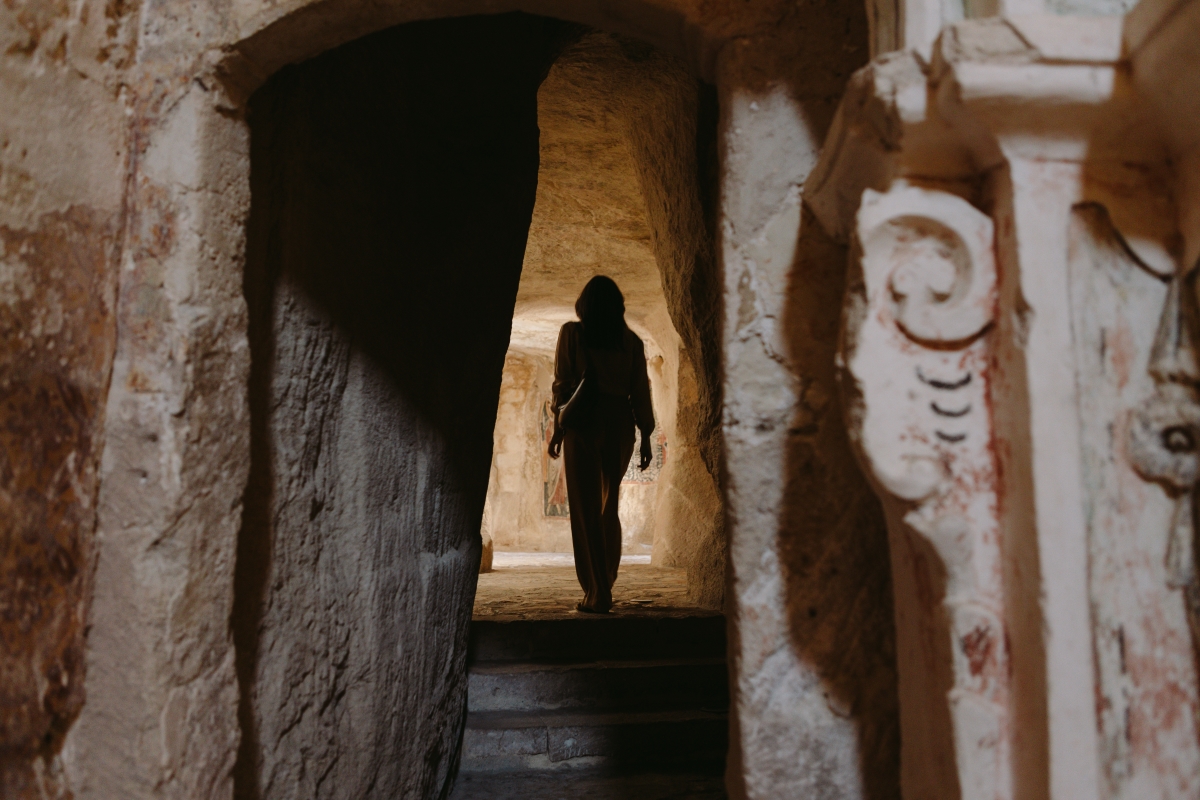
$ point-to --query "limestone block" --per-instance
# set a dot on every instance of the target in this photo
(161, 681)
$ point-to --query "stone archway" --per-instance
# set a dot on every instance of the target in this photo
(183, 678)
(175, 421)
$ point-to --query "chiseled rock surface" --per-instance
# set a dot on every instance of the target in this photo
(377, 353)
(63, 227)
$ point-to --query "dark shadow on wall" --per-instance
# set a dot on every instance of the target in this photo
(833, 540)
(393, 182)
(834, 543)
(831, 537)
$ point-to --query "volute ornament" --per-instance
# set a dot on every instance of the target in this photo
(915, 356)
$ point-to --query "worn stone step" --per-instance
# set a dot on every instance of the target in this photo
(589, 784)
(700, 683)
(599, 638)
(496, 741)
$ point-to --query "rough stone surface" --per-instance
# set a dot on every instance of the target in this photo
(393, 185)
(812, 634)
(56, 306)
(62, 169)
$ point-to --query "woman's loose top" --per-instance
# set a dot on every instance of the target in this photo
(618, 373)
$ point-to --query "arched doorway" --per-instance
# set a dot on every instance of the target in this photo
(178, 413)
(392, 185)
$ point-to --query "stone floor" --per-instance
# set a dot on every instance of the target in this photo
(506, 558)
(551, 592)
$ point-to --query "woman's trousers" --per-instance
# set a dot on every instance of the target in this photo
(596, 458)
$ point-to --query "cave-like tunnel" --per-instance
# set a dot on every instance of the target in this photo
(427, 203)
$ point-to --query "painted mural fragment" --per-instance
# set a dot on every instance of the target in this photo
(1140, 432)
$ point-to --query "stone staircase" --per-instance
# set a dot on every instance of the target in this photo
(611, 706)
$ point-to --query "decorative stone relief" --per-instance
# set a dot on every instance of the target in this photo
(1133, 321)
(915, 355)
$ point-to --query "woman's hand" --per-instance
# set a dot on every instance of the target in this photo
(647, 454)
(555, 448)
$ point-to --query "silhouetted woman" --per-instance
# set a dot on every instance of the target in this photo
(596, 439)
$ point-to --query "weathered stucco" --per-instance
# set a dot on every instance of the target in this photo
(62, 164)
(514, 516)
(56, 305)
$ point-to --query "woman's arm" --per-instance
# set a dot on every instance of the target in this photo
(643, 406)
(564, 383)
(564, 369)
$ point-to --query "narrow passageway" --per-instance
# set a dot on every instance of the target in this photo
(566, 705)
(626, 147)
(631, 704)
(417, 196)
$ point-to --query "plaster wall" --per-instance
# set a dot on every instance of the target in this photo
(62, 222)
(514, 514)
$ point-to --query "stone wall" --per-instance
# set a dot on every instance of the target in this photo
(62, 225)
(161, 673)
(628, 189)
(124, 192)
(514, 515)
(812, 628)
(393, 182)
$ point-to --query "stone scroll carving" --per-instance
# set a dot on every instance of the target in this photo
(1164, 433)
(915, 350)
(1133, 323)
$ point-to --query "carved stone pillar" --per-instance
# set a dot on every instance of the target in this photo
(917, 350)
(1053, 519)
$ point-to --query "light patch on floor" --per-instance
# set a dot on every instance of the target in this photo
(550, 591)
(502, 560)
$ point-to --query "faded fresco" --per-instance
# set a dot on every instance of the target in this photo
(554, 478)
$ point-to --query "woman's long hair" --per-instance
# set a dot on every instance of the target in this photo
(601, 309)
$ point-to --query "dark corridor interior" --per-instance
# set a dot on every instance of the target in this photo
(393, 182)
